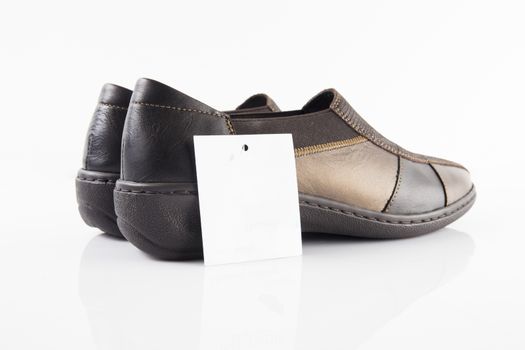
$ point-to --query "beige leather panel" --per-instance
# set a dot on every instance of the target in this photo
(456, 181)
(363, 175)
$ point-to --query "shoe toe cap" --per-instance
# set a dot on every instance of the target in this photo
(418, 190)
(456, 181)
(425, 187)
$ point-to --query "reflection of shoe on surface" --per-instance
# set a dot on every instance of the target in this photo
(369, 283)
(101, 165)
(352, 181)
(137, 303)
(338, 294)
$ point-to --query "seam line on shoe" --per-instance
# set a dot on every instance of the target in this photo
(329, 146)
(88, 152)
(182, 109)
(396, 187)
(113, 106)
(108, 181)
(443, 185)
(347, 116)
(399, 222)
(181, 192)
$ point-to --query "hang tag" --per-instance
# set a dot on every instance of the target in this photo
(248, 197)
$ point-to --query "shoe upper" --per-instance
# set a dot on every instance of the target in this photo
(339, 156)
(102, 151)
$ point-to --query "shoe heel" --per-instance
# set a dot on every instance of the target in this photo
(95, 201)
(163, 223)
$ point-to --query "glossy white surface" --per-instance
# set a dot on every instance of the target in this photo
(66, 286)
(337, 296)
(442, 78)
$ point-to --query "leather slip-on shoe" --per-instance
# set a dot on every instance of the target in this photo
(352, 180)
(96, 179)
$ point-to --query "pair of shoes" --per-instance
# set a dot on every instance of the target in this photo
(352, 180)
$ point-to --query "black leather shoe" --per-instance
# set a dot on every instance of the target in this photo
(352, 180)
(101, 164)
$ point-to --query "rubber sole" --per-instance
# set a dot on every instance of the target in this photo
(323, 215)
(163, 219)
(95, 200)
(164, 222)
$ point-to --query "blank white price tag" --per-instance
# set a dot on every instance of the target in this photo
(248, 197)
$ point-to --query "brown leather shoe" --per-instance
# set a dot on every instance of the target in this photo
(96, 179)
(352, 180)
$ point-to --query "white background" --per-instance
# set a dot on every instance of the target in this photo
(445, 78)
